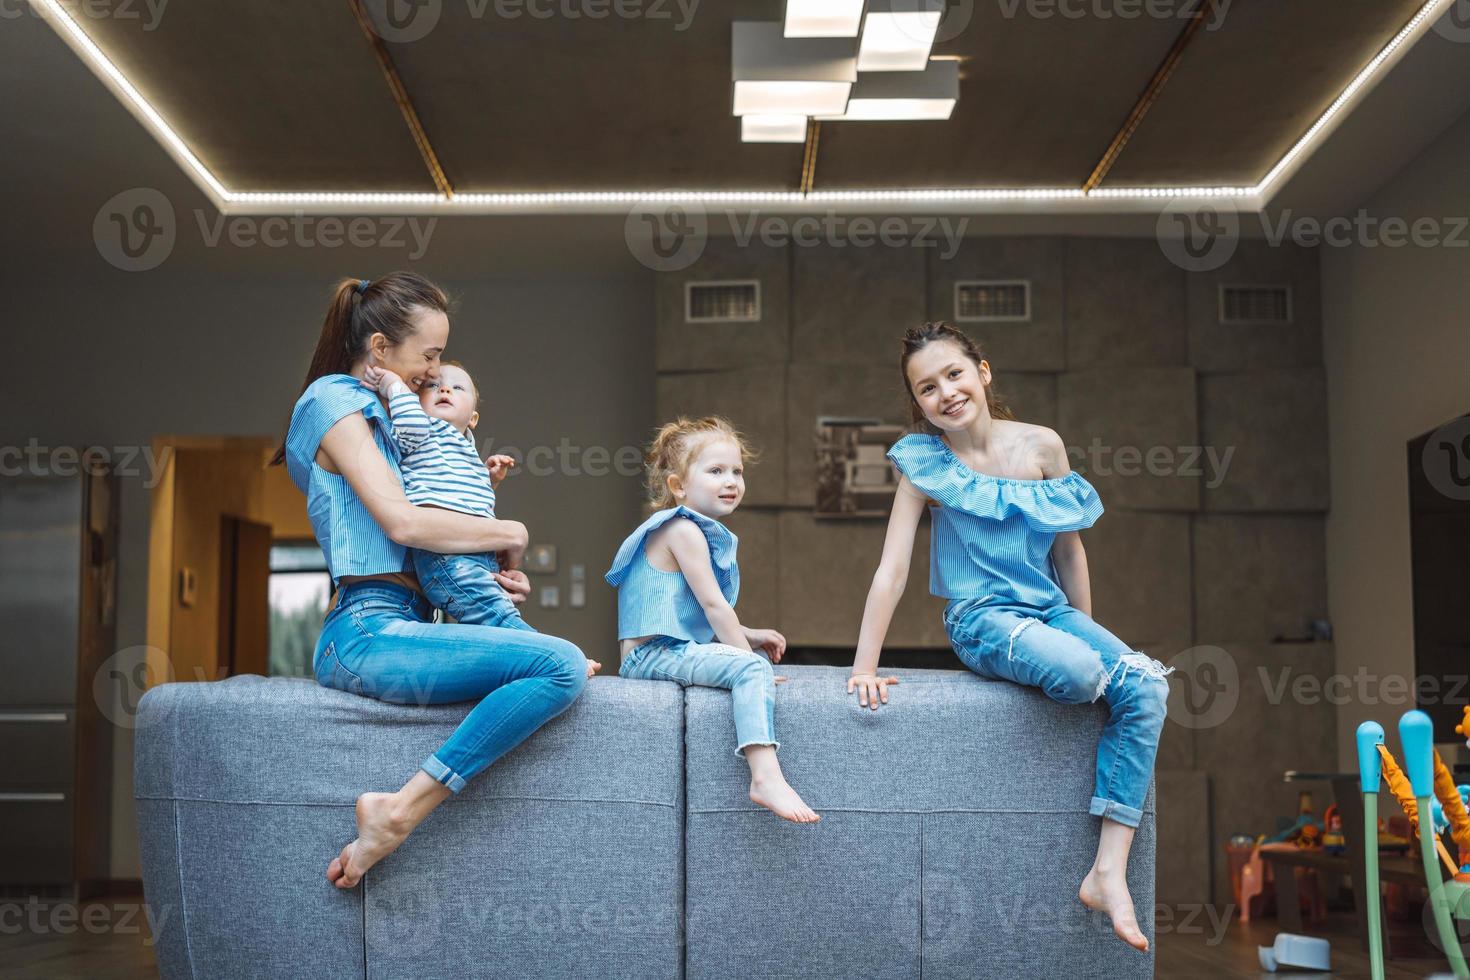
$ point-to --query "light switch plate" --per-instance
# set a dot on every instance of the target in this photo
(540, 559)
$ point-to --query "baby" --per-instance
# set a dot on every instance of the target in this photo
(441, 468)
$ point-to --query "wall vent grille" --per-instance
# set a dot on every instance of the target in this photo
(1269, 304)
(992, 300)
(722, 301)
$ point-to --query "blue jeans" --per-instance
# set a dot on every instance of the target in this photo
(464, 586)
(747, 676)
(1072, 659)
(378, 642)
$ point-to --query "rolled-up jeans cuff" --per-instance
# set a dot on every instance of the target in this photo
(443, 774)
(740, 749)
(1113, 810)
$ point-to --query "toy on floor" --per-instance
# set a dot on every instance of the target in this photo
(1427, 777)
(1299, 952)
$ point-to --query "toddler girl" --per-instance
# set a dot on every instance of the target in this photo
(677, 582)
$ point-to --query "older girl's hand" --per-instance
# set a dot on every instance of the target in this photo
(871, 689)
(515, 583)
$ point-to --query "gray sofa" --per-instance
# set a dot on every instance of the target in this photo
(618, 841)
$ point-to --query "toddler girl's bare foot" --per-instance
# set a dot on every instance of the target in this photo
(378, 835)
(776, 795)
(1109, 893)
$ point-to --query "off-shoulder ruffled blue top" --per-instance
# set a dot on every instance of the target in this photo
(991, 537)
(653, 602)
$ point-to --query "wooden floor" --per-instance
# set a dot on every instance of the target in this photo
(108, 939)
(1190, 954)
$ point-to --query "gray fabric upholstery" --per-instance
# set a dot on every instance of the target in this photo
(954, 834)
(954, 830)
(563, 860)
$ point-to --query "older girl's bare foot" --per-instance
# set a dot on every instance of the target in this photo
(776, 795)
(378, 834)
(1109, 893)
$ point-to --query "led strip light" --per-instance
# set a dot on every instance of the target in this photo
(1101, 198)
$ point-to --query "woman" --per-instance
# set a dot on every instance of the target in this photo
(378, 639)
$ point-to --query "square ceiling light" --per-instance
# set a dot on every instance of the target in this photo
(823, 18)
(777, 75)
(772, 129)
(899, 34)
(928, 94)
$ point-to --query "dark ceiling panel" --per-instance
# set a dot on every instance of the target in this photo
(1040, 99)
(1246, 92)
(269, 94)
(529, 104)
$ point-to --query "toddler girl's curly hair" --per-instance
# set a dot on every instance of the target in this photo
(675, 446)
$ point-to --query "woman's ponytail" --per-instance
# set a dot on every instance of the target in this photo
(361, 308)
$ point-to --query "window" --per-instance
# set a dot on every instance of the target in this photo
(300, 588)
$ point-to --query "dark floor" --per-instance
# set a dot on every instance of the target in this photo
(1190, 953)
(108, 939)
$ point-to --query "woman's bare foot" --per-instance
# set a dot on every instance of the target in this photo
(1109, 893)
(776, 795)
(378, 834)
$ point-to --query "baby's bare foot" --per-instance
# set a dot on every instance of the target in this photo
(378, 835)
(776, 795)
(1109, 893)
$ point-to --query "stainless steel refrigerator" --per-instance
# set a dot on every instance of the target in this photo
(58, 570)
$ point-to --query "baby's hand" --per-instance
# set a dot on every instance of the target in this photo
(382, 379)
(499, 465)
(768, 640)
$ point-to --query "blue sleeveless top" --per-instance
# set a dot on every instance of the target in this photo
(992, 536)
(653, 602)
(351, 539)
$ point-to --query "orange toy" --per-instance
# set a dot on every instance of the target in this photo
(1404, 793)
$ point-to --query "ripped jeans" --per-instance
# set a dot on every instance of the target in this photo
(1063, 651)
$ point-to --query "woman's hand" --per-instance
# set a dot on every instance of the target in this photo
(499, 466)
(515, 583)
(768, 640)
(511, 558)
(871, 689)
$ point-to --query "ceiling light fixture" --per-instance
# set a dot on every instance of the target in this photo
(907, 95)
(776, 75)
(823, 18)
(1072, 199)
(772, 129)
(899, 34)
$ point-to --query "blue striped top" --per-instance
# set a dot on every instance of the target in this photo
(441, 466)
(351, 540)
(991, 536)
(653, 602)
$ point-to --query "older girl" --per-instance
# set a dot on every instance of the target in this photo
(379, 640)
(1005, 552)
